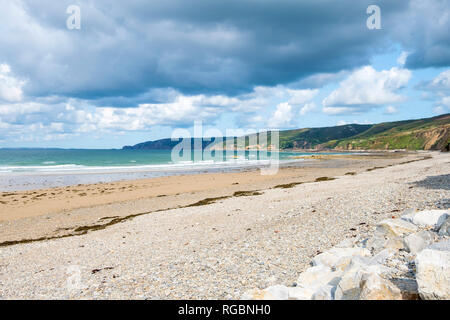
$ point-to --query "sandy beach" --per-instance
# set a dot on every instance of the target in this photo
(203, 236)
(58, 211)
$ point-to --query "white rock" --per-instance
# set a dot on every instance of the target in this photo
(324, 293)
(351, 283)
(300, 293)
(441, 245)
(317, 276)
(358, 262)
(395, 228)
(429, 218)
(332, 256)
(382, 256)
(381, 241)
(342, 263)
(433, 272)
(394, 243)
(444, 230)
(349, 286)
(376, 242)
(375, 287)
(408, 288)
(416, 242)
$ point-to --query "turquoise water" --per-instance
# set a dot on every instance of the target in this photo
(26, 160)
(28, 169)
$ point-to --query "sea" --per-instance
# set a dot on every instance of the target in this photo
(25, 169)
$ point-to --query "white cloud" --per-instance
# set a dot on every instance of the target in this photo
(440, 110)
(446, 101)
(390, 110)
(299, 97)
(442, 106)
(402, 58)
(339, 110)
(256, 119)
(282, 116)
(10, 87)
(308, 107)
(53, 116)
(367, 88)
(441, 82)
(184, 110)
(438, 90)
(263, 97)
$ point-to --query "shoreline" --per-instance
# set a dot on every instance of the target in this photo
(45, 180)
(22, 178)
(37, 180)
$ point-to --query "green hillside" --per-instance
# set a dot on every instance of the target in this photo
(311, 138)
(422, 134)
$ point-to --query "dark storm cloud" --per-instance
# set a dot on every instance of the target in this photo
(423, 29)
(128, 48)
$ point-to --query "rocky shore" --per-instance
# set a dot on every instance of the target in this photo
(407, 258)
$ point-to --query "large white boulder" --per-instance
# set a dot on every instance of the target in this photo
(381, 241)
(429, 218)
(349, 287)
(344, 262)
(333, 257)
(317, 276)
(392, 228)
(300, 293)
(312, 281)
(378, 259)
(374, 287)
(416, 242)
(351, 283)
(444, 230)
(408, 288)
(382, 256)
(324, 293)
(433, 271)
(389, 234)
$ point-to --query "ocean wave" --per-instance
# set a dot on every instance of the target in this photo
(48, 167)
(183, 165)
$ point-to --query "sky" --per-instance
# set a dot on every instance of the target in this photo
(124, 72)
